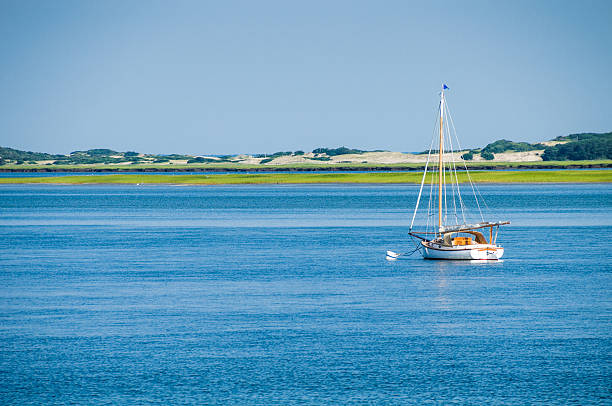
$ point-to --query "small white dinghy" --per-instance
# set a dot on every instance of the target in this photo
(392, 255)
(452, 237)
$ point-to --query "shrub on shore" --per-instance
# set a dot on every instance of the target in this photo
(487, 155)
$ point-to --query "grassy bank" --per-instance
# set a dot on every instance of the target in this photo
(225, 166)
(577, 176)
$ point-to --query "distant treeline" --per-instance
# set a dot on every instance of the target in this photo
(317, 151)
(320, 154)
(338, 151)
(90, 156)
(574, 147)
(500, 146)
(580, 147)
(109, 156)
(10, 154)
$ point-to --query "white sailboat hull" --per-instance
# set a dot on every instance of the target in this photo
(464, 252)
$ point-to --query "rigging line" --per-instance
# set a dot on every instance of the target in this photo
(484, 201)
(461, 204)
(444, 192)
(468, 172)
(475, 192)
(474, 186)
(450, 170)
(422, 182)
(488, 210)
(417, 243)
(451, 165)
(417, 248)
(430, 209)
(448, 167)
(433, 137)
(443, 169)
(456, 182)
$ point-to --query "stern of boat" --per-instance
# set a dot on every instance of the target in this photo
(491, 253)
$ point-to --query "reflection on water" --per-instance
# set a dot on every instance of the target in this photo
(442, 300)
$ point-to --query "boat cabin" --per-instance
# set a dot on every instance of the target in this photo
(464, 238)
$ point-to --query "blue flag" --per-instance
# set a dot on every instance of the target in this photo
(444, 87)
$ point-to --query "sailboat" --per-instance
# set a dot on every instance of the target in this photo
(450, 230)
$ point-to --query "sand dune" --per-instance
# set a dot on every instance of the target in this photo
(394, 158)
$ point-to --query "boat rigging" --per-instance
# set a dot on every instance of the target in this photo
(453, 236)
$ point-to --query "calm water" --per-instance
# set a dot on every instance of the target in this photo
(282, 295)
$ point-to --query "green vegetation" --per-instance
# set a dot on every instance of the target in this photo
(89, 157)
(574, 147)
(85, 159)
(275, 155)
(487, 155)
(580, 147)
(299, 167)
(468, 156)
(500, 146)
(172, 157)
(200, 159)
(10, 154)
(582, 136)
(282, 178)
(337, 151)
(96, 152)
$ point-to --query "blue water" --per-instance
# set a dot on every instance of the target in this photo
(281, 295)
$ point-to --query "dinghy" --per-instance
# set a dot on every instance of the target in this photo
(392, 255)
(455, 235)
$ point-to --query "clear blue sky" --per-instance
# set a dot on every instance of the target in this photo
(263, 76)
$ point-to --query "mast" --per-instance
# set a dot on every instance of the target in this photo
(441, 163)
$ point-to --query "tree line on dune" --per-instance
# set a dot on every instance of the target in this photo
(573, 147)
